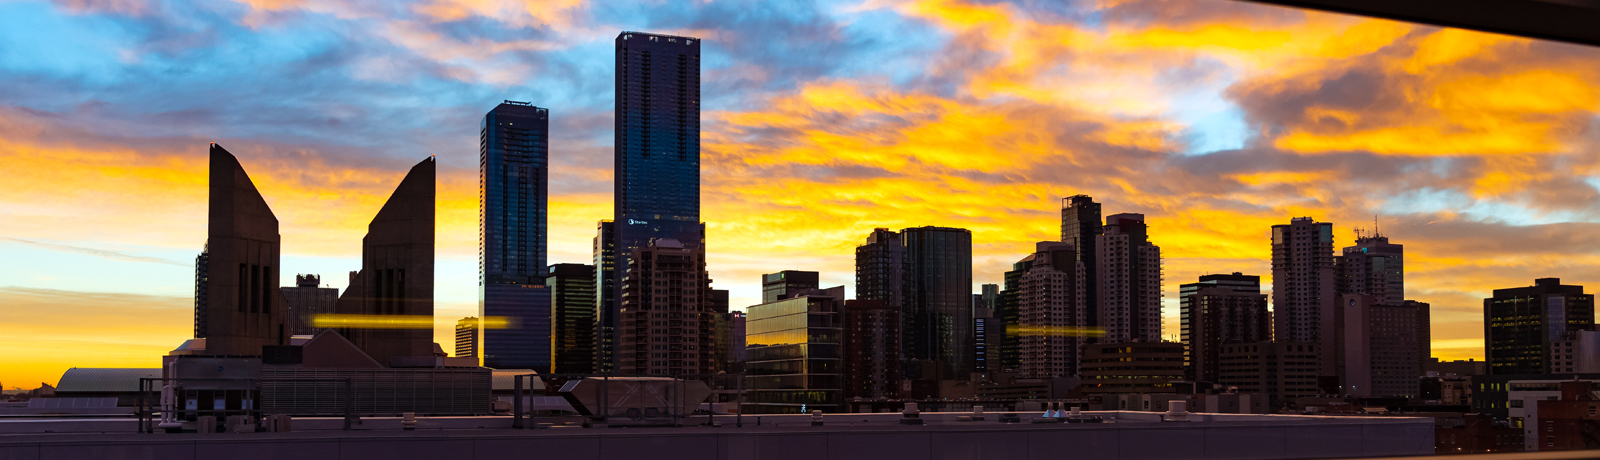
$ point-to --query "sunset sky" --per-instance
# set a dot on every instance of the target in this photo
(822, 120)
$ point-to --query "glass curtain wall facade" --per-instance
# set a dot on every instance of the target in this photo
(1520, 324)
(571, 318)
(657, 147)
(937, 315)
(513, 177)
(793, 360)
(1080, 226)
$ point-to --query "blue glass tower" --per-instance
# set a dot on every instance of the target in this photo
(657, 152)
(513, 173)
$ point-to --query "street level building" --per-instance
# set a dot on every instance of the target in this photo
(1522, 324)
(1131, 367)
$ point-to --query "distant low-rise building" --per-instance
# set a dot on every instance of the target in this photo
(1281, 370)
(1131, 367)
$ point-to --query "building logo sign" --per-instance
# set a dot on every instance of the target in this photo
(638, 222)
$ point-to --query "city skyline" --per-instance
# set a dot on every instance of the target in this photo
(786, 183)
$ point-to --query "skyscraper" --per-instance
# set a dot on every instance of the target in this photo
(1217, 310)
(396, 276)
(243, 309)
(657, 147)
(1051, 312)
(305, 300)
(666, 327)
(467, 337)
(937, 314)
(1304, 291)
(571, 318)
(1373, 267)
(1080, 227)
(786, 284)
(605, 296)
(513, 171)
(200, 293)
(988, 331)
(1130, 280)
(1520, 324)
(881, 269)
(1007, 309)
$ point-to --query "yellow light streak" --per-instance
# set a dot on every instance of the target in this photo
(396, 321)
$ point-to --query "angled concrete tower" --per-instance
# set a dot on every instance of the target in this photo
(244, 309)
(396, 276)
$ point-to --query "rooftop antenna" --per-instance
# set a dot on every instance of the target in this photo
(1375, 232)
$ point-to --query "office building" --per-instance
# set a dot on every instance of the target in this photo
(937, 315)
(1131, 367)
(881, 269)
(306, 300)
(1381, 349)
(731, 341)
(1576, 352)
(605, 298)
(786, 284)
(243, 309)
(657, 149)
(1051, 310)
(1007, 309)
(467, 337)
(793, 362)
(667, 327)
(1281, 370)
(988, 331)
(1216, 310)
(1373, 267)
(513, 172)
(1522, 324)
(1081, 227)
(396, 276)
(1304, 292)
(572, 299)
(1129, 280)
(200, 294)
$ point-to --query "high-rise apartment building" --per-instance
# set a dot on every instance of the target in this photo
(881, 269)
(1216, 310)
(793, 360)
(243, 310)
(1051, 312)
(513, 173)
(1304, 291)
(1520, 324)
(396, 276)
(467, 337)
(666, 327)
(1007, 309)
(1081, 227)
(937, 315)
(305, 300)
(1373, 267)
(871, 350)
(571, 318)
(786, 284)
(1130, 280)
(607, 283)
(1381, 349)
(657, 150)
(200, 294)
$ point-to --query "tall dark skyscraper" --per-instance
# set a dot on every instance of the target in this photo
(605, 295)
(513, 171)
(938, 310)
(657, 148)
(572, 318)
(243, 309)
(881, 269)
(1080, 226)
(1217, 310)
